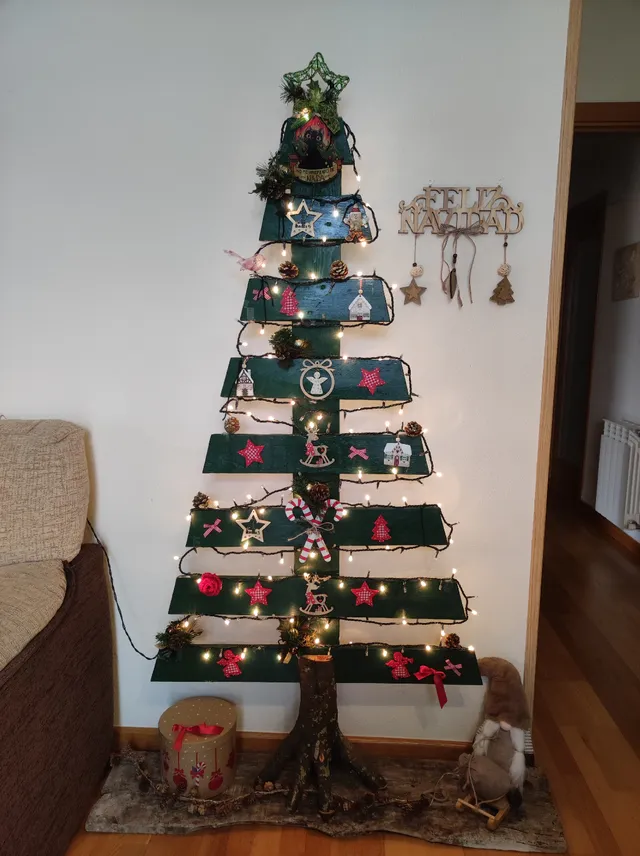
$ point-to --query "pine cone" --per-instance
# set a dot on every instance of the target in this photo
(452, 641)
(319, 492)
(413, 429)
(338, 270)
(288, 270)
(232, 424)
(200, 500)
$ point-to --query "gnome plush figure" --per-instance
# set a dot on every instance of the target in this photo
(496, 768)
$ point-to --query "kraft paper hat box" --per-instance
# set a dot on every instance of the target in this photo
(199, 746)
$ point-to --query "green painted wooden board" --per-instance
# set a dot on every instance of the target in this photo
(276, 226)
(352, 665)
(420, 525)
(339, 141)
(438, 600)
(285, 453)
(272, 380)
(324, 301)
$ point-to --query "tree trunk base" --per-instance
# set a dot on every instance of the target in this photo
(316, 742)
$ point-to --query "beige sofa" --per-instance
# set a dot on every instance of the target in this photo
(56, 684)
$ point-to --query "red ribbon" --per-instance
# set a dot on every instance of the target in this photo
(202, 729)
(358, 453)
(427, 672)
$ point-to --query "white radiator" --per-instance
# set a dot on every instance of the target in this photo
(618, 493)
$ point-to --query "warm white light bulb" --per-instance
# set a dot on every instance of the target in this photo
(387, 424)
(454, 570)
(394, 470)
(471, 648)
(363, 243)
(340, 334)
(345, 357)
(385, 653)
(185, 623)
(198, 581)
(324, 239)
(281, 562)
(292, 621)
(176, 558)
(394, 285)
(439, 475)
(317, 640)
(382, 588)
(360, 474)
(474, 612)
(284, 252)
(312, 554)
(442, 633)
(244, 344)
(245, 546)
(336, 213)
(359, 273)
(271, 418)
(351, 557)
(262, 331)
(423, 583)
(300, 314)
(313, 276)
(261, 510)
(358, 177)
(188, 517)
(404, 620)
(290, 206)
(206, 655)
(256, 611)
(401, 411)
(275, 289)
(341, 584)
(326, 625)
(404, 499)
(236, 590)
(243, 655)
(350, 430)
(279, 657)
(427, 647)
(227, 621)
(269, 577)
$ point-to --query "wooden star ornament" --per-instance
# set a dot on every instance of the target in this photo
(306, 225)
(413, 292)
(252, 527)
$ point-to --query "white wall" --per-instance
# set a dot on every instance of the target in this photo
(132, 129)
(609, 69)
(611, 164)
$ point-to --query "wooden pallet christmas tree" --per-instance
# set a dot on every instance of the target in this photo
(312, 530)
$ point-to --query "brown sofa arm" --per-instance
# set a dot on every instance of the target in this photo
(56, 703)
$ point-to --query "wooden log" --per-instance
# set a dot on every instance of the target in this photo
(316, 742)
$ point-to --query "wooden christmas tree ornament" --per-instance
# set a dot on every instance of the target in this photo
(503, 292)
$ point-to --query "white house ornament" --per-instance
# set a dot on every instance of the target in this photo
(306, 224)
(359, 308)
(244, 383)
(252, 527)
(397, 454)
(317, 379)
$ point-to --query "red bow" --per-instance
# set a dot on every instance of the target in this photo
(427, 672)
(193, 729)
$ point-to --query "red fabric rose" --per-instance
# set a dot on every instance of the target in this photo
(210, 584)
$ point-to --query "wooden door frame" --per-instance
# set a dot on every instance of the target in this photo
(551, 343)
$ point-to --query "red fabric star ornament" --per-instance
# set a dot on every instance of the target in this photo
(258, 593)
(371, 380)
(364, 594)
(252, 454)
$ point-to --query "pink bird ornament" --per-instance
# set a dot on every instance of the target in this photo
(254, 263)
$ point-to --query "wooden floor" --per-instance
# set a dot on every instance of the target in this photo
(586, 730)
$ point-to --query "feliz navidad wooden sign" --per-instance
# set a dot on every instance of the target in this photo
(458, 208)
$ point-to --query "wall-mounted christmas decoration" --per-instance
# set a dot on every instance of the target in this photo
(303, 220)
(490, 208)
(452, 213)
(338, 270)
(244, 383)
(200, 500)
(230, 664)
(364, 594)
(258, 593)
(210, 585)
(307, 534)
(288, 270)
(252, 526)
(317, 379)
(398, 665)
(413, 292)
(315, 604)
(397, 454)
(289, 303)
(371, 380)
(231, 426)
(252, 453)
(503, 292)
(381, 530)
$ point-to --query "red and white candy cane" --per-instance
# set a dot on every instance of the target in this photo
(316, 525)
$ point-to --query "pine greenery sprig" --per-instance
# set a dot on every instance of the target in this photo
(274, 179)
(287, 346)
(176, 636)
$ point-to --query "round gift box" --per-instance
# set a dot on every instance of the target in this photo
(205, 764)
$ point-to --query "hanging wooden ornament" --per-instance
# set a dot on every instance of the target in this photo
(413, 293)
(503, 292)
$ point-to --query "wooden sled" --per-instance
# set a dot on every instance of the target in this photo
(495, 810)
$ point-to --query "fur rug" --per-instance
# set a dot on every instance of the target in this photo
(123, 808)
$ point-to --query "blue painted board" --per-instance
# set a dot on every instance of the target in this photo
(326, 300)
